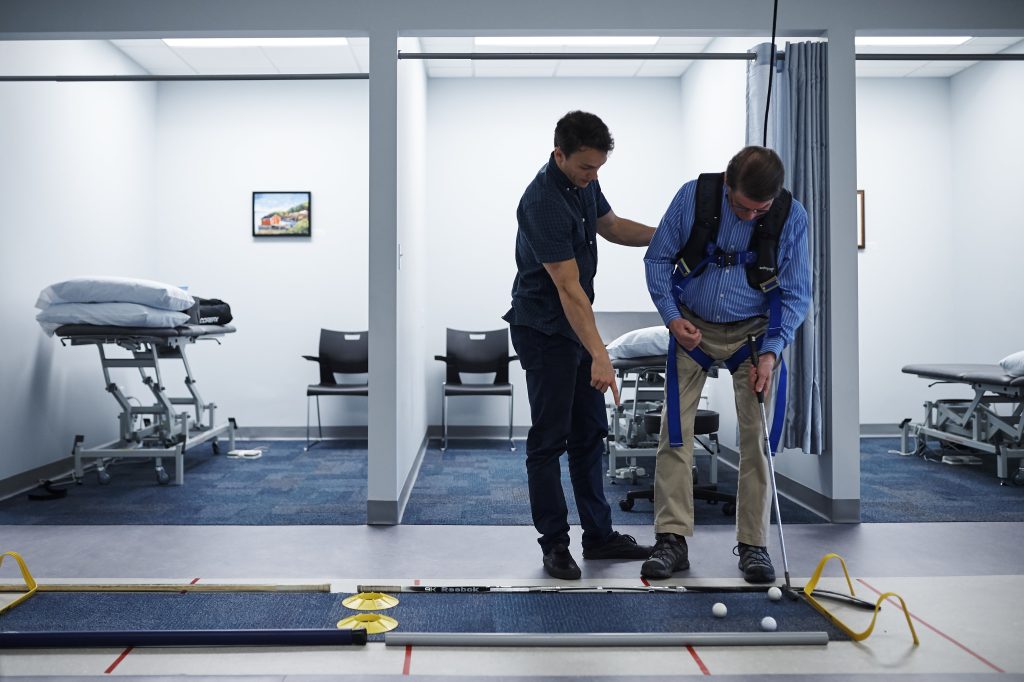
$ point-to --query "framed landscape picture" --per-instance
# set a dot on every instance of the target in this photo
(281, 214)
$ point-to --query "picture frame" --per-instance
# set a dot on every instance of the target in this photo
(861, 241)
(282, 214)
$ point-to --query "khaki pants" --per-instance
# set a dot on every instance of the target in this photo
(673, 477)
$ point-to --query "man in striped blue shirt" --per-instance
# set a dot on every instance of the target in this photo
(714, 312)
(552, 327)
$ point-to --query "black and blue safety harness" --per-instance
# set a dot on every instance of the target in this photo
(761, 263)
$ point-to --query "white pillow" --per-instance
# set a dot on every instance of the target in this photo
(112, 314)
(1013, 364)
(116, 289)
(640, 343)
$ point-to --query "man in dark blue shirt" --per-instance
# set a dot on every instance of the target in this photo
(553, 331)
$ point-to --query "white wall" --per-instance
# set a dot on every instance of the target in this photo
(988, 146)
(217, 143)
(77, 190)
(905, 141)
(415, 268)
(487, 140)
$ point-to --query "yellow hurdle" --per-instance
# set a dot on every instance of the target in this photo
(30, 582)
(855, 636)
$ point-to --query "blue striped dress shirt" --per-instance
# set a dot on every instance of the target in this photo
(722, 295)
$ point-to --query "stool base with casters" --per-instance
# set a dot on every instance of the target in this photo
(705, 424)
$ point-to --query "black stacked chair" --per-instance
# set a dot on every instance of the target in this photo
(705, 423)
(469, 352)
(340, 353)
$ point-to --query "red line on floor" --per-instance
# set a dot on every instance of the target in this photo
(644, 581)
(696, 658)
(416, 582)
(408, 659)
(118, 661)
(935, 629)
(194, 581)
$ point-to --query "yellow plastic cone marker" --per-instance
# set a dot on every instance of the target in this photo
(855, 636)
(373, 623)
(369, 601)
(30, 582)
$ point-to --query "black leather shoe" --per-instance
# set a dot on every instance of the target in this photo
(670, 555)
(558, 562)
(618, 546)
(755, 563)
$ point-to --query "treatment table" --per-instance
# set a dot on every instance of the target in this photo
(975, 422)
(158, 430)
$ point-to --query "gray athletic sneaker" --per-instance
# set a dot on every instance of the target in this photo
(755, 563)
(670, 555)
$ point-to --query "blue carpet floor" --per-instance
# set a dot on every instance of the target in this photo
(415, 612)
(897, 488)
(473, 483)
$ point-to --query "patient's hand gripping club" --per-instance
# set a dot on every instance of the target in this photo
(752, 344)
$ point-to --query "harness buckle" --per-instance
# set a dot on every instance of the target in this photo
(724, 260)
(770, 284)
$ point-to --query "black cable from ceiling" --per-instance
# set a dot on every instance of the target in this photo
(771, 72)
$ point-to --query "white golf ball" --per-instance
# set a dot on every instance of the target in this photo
(719, 610)
(768, 623)
(774, 593)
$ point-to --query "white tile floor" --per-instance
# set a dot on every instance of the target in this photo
(962, 582)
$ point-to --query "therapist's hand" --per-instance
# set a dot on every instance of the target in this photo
(686, 334)
(602, 376)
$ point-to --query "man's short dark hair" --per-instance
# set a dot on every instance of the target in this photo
(757, 172)
(579, 129)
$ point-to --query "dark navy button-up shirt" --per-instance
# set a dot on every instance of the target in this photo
(557, 221)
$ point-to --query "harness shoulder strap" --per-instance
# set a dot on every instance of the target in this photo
(763, 273)
(706, 219)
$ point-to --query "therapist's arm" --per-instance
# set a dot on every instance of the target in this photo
(566, 276)
(623, 231)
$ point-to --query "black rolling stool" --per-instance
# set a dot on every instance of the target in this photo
(705, 423)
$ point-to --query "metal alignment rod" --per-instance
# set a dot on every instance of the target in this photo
(167, 587)
(604, 639)
(119, 638)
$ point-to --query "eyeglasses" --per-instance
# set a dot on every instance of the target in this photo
(755, 212)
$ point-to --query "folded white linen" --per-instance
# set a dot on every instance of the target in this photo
(115, 289)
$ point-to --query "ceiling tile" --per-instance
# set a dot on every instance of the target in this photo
(941, 69)
(335, 59)
(156, 58)
(218, 60)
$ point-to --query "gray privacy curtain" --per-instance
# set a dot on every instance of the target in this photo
(797, 130)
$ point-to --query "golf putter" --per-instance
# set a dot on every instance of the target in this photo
(752, 344)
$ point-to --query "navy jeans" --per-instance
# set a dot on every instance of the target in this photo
(568, 415)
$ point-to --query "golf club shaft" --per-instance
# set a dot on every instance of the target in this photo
(752, 343)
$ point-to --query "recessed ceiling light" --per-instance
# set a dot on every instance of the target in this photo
(564, 41)
(254, 42)
(898, 41)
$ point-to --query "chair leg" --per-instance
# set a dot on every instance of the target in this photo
(511, 405)
(307, 425)
(444, 419)
(319, 424)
